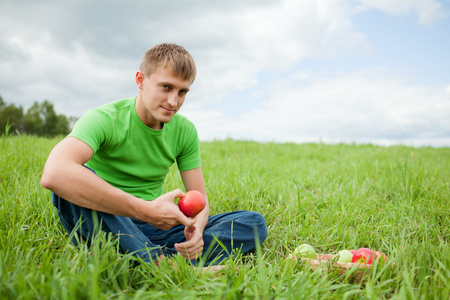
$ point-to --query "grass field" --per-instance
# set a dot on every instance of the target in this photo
(394, 199)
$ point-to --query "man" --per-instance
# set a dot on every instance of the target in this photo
(111, 168)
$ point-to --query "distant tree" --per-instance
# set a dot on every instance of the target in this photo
(49, 119)
(40, 119)
(12, 117)
(33, 121)
(62, 125)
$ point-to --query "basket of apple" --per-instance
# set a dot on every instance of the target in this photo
(362, 258)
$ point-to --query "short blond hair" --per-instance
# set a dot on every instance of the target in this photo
(174, 57)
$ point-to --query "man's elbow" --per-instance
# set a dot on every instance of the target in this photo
(48, 179)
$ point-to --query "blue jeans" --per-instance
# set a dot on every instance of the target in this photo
(235, 230)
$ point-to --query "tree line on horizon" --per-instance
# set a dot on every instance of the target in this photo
(40, 119)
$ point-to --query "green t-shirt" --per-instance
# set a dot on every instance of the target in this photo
(131, 156)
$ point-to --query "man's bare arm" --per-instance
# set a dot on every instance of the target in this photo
(193, 247)
(66, 176)
(193, 180)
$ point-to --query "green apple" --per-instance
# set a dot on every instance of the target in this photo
(345, 256)
(305, 251)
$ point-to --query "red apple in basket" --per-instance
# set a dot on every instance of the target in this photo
(327, 256)
(364, 256)
(192, 203)
(381, 255)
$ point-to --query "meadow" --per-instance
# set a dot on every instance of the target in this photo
(393, 199)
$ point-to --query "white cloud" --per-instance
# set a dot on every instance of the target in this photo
(95, 49)
(267, 38)
(84, 52)
(369, 106)
(72, 79)
(428, 11)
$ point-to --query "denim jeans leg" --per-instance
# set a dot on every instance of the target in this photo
(235, 230)
(87, 222)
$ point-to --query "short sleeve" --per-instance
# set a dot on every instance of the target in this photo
(93, 128)
(189, 157)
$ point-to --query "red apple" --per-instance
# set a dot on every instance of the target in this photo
(327, 256)
(381, 255)
(192, 203)
(364, 256)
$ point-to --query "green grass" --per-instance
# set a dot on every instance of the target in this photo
(394, 199)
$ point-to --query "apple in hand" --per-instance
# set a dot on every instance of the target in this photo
(192, 203)
(345, 256)
(364, 256)
(305, 251)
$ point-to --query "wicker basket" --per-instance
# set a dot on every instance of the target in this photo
(363, 270)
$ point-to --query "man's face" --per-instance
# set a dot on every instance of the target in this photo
(161, 95)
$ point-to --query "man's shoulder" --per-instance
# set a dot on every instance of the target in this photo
(178, 118)
(102, 122)
(180, 123)
(118, 106)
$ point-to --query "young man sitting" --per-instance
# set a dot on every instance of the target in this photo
(112, 167)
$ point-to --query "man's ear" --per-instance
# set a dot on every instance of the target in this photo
(140, 79)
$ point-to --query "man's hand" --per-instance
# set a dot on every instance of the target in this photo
(163, 213)
(193, 247)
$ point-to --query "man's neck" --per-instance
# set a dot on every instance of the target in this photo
(145, 116)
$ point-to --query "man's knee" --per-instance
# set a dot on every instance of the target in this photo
(255, 224)
(259, 222)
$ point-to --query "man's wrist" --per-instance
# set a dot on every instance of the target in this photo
(202, 219)
(136, 208)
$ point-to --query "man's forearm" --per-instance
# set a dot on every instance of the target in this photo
(202, 218)
(65, 175)
(93, 192)
(80, 186)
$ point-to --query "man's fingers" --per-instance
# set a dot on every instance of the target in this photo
(193, 247)
(189, 251)
(177, 194)
(188, 222)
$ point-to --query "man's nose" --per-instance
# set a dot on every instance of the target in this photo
(173, 99)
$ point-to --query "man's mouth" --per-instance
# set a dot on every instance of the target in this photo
(168, 110)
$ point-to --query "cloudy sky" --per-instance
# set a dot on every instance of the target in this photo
(362, 71)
